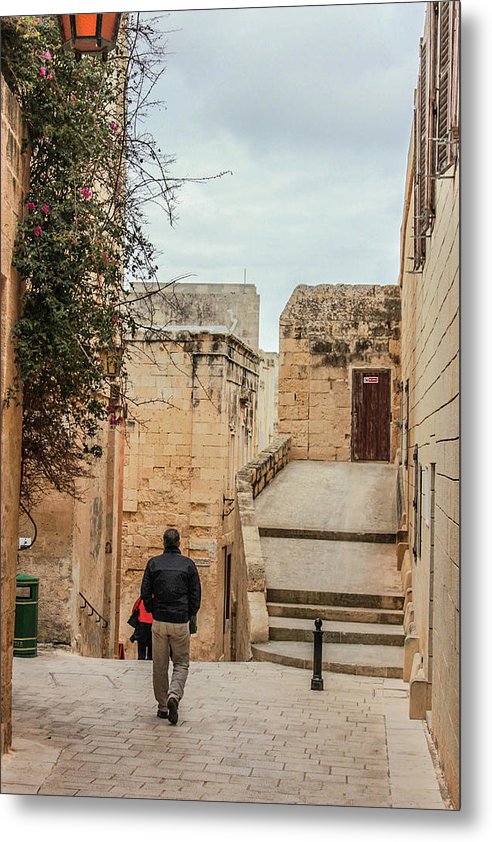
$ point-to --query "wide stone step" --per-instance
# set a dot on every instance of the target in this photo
(353, 659)
(327, 535)
(363, 600)
(350, 614)
(368, 634)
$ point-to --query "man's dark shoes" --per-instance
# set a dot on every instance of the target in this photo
(172, 710)
(162, 714)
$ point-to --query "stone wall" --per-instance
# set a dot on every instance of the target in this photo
(248, 580)
(183, 451)
(77, 550)
(325, 332)
(235, 307)
(14, 186)
(430, 366)
(50, 559)
(97, 552)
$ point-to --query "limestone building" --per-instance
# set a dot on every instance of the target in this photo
(77, 544)
(429, 461)
(196, 397)
(339, 372)
(14, 186)
(76, 556)
(236, 306)
(76, 550)
(192, 427)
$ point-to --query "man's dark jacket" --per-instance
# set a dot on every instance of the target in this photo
(171, 587)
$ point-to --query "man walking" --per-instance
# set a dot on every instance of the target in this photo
(171, 592)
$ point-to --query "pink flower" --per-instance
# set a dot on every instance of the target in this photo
(73, 99)
(47, 55)
(38, 231)
(50, 76)
(31, 206)
(42, 71)
(45, 209)
(86, 192)
(114, 126)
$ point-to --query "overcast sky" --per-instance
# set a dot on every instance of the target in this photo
(311, 109)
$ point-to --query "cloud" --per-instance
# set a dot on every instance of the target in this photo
(311, 108)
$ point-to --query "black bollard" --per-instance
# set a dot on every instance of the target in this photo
(317, 679)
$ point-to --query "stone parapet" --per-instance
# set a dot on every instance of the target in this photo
(260, 471)
(249, 584)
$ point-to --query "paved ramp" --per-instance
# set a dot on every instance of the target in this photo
(337, 496)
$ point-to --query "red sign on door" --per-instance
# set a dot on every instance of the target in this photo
(371, 379)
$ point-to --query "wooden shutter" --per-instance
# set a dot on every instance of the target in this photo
(444, 99)
(424, 128)
(418, 240)
(423, 136)
(431, 111)
(427, 95)
(455, 80)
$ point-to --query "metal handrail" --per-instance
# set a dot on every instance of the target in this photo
(87, 604)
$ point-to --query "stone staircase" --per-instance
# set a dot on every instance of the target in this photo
(328, 540)
(363, 633)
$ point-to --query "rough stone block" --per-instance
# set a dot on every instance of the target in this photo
(418, 695)
(411, 647)
(406, 563)
(258, 615)
(408, 598)
(408, 617)
(401, 549)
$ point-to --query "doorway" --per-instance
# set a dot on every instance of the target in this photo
(371, 415)
(227, 604)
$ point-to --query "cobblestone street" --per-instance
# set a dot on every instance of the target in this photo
(247, 732)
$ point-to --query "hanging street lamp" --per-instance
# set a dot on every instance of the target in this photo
(94, 34)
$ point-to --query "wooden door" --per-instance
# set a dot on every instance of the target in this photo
(371, 415)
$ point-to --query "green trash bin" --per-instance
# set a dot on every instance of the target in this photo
(26, 616)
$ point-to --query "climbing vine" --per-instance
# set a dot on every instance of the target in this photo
(93, 168)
